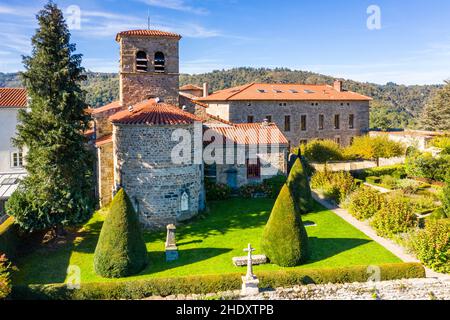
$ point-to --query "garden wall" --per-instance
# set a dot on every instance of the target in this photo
(357, 165)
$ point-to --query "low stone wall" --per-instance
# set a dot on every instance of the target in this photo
(411, 289)
(357, 165)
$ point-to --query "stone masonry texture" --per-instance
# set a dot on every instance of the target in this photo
(238, 112)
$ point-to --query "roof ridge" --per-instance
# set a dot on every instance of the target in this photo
(244, 87)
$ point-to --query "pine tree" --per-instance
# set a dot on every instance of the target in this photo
(121, 249)
(58, 189)
(436, 114)
(285, 241)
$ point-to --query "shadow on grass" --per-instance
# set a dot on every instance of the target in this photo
(324, 248)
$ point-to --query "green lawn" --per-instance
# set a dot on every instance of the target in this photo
(207, 245)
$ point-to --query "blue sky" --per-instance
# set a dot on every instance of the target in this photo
(325, 36)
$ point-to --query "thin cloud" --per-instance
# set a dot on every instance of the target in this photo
(179, 5)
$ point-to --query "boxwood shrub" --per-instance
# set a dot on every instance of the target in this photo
(9, 238)
(213, 283)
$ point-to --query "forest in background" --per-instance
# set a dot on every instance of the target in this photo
(394, 106)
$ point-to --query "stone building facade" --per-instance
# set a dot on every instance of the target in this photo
(302, 112)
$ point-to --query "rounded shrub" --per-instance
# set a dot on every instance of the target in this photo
(432, 245)
(298, 184)
(121, 249)
(285, 241)
(364, 203)
(321, 151)
(395, 216)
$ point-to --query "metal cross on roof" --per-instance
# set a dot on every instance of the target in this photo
(250, 275)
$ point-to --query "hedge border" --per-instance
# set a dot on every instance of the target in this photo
(9, 239)
(211, 284)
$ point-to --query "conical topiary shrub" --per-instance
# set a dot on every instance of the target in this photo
(121, 249)
(299, 185)
(285, 241)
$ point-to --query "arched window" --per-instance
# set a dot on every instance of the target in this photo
(184, 202)
(160, 62)
(141, 61)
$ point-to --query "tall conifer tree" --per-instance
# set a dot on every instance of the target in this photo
(57, 191)
(436, 114)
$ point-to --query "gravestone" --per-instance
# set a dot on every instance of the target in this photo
(171, 246)
(249, 282)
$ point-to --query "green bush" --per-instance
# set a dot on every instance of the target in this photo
(273, 186)
(373, 180)
(378, 171)
(121, 250)
(285, 241)
(446, 197)
(426, 166)
(432, 245)
(395, 216)
(9, 238)
(5, 277)
(389, 182)
(364, 203)
(322, 151)
(212, 283)
(216, 191)
(298, 184)
(334, 185)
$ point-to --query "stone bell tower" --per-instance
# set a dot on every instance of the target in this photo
(149, 66)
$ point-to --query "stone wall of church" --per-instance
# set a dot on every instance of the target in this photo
(239, 111)
(105, 173)
(144, 168)
(138, 86)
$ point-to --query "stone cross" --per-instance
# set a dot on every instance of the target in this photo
(250, 275)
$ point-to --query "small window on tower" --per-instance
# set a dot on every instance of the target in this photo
(141, 61)
(160, 62)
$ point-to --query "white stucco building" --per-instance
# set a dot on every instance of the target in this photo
(11, 158)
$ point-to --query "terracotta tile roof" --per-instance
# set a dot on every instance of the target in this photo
(250, 133)
(188, 87)
(13, 98)
(147, 33)
(103, 140)
(284, 92)
(149, 112)
(111, 106)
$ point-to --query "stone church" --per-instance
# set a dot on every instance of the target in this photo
(133, 136)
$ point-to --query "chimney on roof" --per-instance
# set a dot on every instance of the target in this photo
(205, 89)
(338, 85)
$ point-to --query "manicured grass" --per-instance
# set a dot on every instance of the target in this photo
(208, 244)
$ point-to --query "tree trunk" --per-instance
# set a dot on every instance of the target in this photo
(59, 231)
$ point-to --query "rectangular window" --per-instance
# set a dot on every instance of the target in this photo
(351, 140)
(250, 119)
(337, 122)
(253, 168)
(269, 119)
(303, 123)
(303, 142)
(351, 121)
(17, 160)
(337, 140)
(287, 123)
(321, 121)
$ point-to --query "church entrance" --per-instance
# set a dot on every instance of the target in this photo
(232, 178)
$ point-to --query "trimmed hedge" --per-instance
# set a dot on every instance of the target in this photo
(9, 238)
(298, 184)
(212, 283)
(379, 171)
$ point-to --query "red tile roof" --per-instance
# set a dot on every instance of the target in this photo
(13, 98)
(147, 33)
(284, 92)
(149, 112)
(111, 106)
(189, 87)
(250, 133)
(103, 140)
